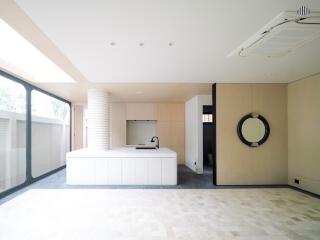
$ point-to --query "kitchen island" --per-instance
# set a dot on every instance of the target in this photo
(122, 166)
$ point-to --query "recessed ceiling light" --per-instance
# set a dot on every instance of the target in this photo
(21, 55)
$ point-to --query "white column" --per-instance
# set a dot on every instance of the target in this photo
(98, 119)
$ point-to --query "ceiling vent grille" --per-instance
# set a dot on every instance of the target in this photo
(303, 11)
(285, 33)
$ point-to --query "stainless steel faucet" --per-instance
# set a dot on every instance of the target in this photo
(153, 140)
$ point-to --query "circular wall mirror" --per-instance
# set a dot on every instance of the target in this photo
(253, 129)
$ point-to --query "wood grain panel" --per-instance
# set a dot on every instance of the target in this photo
(238, 163)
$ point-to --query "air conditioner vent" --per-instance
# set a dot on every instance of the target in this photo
(281, 36)
(303, 11)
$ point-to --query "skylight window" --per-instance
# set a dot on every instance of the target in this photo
(19, 54)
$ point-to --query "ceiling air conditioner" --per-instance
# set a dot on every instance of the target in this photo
(285, 33)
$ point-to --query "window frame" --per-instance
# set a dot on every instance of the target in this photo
(29, 87)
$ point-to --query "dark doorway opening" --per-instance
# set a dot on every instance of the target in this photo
(207, 136)
(208, 140)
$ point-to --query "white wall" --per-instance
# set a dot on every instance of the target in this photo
(194, 131)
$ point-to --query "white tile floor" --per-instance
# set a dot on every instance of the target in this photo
(76, 214)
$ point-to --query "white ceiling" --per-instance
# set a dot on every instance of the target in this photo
(203, 33)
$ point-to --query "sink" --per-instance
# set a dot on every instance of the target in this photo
(146, 147)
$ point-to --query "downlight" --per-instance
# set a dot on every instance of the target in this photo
(282, 35)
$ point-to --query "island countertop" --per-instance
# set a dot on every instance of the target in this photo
(128, 152)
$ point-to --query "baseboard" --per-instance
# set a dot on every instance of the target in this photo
(253, 186)
(304, 191)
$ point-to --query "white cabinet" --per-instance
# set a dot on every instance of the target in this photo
(81, 172)
(114, 171)
(141, 174)
(122, 167)
(169, 171)
(101, 171)
(154, 170)
(128, 171)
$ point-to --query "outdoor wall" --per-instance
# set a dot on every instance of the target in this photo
(46, 155)
(238, 164)
(304, 133)
(50, 143)
(194, 131)
(12, 149)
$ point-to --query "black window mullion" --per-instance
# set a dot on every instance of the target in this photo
(29, 178)
(28, 136)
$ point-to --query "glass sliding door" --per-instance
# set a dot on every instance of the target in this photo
(50, 133)
(34, 133)
(13, 109)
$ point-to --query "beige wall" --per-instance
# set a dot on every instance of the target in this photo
(77, 133)
(237, 163)
(304, 133)
(118, 125)
(170, 128)
(170, 123)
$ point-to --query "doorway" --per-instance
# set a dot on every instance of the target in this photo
(208, 140)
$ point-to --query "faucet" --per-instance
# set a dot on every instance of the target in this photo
(153, 140)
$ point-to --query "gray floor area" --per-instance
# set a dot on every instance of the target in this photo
(187, 179)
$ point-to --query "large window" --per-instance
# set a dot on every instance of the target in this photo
(34, 133)
(50, 132)
(12, 134)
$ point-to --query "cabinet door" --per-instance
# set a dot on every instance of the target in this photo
(141, 171)
(101, 171)
(154, 171)
(141, 111)
(128, 171)
(114, 171)
(80, 171)
(169, 171)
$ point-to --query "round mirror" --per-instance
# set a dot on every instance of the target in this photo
(253, 129)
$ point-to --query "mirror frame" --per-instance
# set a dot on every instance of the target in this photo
(265, 123)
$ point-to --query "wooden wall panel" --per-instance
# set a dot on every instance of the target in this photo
(238, 164)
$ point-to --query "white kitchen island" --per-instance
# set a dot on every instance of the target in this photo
(122, 166)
